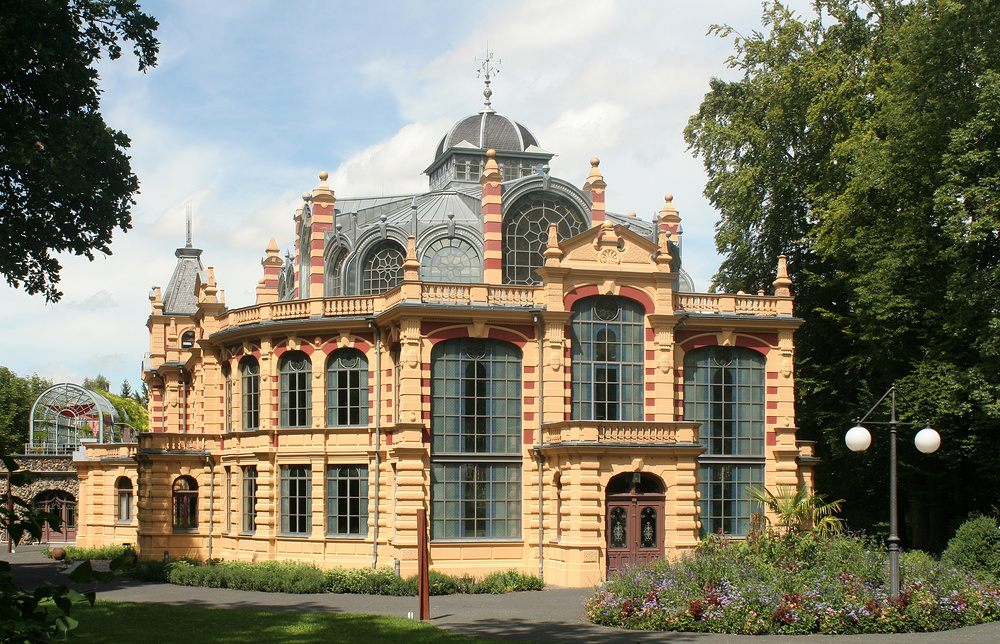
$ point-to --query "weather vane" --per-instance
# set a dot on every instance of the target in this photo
(486, 71)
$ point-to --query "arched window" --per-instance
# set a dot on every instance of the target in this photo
(185, 491)
(526, 233)
(347, 388)
(250, 376)
(724, 391)
(227, 396)
(383, 268)
(305, 271)
(296, 392)
(332, 286)
(123, 486)
(187, 340)
(451, 260)
(608, 359)
(475, 439)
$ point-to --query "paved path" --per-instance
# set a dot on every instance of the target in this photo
(551, 615)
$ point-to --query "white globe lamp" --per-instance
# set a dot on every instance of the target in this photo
(858, 439)
(927, 440)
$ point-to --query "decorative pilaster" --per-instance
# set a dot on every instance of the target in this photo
(267, 288)
(323, 205)
(596, 185)
(492, 205)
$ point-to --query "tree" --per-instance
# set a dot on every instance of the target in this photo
(97, 383)
(799, 510)
(65, 179)
(17, 396)
(865, 143)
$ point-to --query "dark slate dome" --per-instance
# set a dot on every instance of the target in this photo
(486, 130)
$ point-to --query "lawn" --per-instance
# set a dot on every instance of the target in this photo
(128, 623)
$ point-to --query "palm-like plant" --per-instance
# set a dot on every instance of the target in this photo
(798, 509)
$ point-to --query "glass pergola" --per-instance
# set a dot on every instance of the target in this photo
(65, 414)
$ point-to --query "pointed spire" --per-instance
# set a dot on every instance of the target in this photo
(188, 235)
(783, 283)
(552, 252)
(663, 257)
(411, 266)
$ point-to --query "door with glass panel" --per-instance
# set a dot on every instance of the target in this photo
(635, 505)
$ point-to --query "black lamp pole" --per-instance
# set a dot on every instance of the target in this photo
(858, 439)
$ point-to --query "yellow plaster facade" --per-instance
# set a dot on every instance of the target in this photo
(253, 466)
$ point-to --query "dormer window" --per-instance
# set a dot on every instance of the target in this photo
(468, 168)
(187, 340)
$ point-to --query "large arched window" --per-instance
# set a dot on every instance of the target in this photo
(296, 392)
(227, 396)
(451, 260)
(475, 439)
(123, 487)
(526, 233)
(305, 271)
(333, 285)
(347, 388)
(185, 493)
(724, 391)
(383, 268)
(250, 396)
(608, 352)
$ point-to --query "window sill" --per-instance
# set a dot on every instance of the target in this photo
(185, 530)
(347, 537)
(294, 535)
(245, 534)
(478, 540)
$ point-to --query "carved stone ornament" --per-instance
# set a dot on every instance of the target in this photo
(609, 256)
(555, 360)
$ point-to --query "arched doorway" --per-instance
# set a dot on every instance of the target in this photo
(63, 505)
(635, 503)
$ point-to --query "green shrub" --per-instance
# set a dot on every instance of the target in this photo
(149, 570)
(507, 581)
(267, 576)
(976, 548)
(104, 552)
(792, 584)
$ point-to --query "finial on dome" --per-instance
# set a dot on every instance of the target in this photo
(487, 71)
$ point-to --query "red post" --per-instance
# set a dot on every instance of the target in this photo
(424, 591)
(10, 515)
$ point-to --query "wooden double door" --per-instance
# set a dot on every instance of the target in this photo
(634, 520)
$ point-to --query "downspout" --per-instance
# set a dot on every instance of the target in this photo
(378, 432)
(538, 448)
(211, 501)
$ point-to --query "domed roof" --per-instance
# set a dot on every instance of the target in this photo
(486, 130)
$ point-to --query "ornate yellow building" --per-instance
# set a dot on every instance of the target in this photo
(534, 371)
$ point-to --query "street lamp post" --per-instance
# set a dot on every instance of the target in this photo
(858, 439)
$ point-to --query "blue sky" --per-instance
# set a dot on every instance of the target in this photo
(251, 99)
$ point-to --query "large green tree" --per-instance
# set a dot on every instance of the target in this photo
(65, 178)
(864, 142)
(17, 395)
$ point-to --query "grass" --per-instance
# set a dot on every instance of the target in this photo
(128, 623)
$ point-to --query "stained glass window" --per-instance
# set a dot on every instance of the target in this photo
(383, 268)
(451, 260)
(526, 233)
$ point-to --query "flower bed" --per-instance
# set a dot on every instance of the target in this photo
(793, 584)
